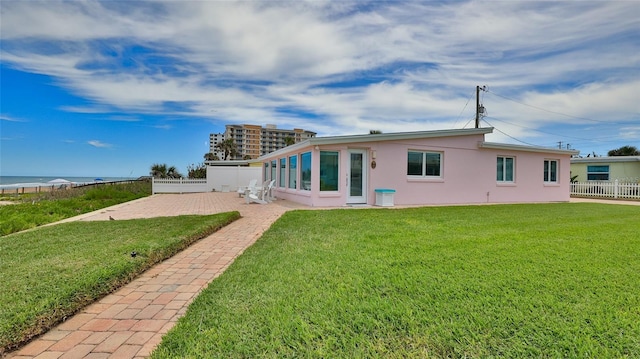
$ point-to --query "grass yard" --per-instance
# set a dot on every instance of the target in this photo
(545, 280)
(50, 273)
(35, 209)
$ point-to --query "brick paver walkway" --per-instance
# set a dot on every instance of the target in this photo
(130, 322)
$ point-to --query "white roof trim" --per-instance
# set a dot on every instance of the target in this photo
(229, 162)
(510, 147)
(608, 159)
(336, 140)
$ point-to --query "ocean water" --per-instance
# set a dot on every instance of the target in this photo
(17, 181)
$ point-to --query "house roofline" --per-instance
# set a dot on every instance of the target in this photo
(606, 159)
(337, 140)
(510, 147)
(229, 163)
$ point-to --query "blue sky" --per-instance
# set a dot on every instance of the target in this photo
(108, 88)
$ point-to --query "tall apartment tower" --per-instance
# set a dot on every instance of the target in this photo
(254, 141)
(214, 139)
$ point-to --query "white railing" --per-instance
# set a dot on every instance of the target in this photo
(219, 179)
(179, 185)
(616, 189)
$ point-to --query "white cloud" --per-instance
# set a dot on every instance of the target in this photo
(123, 118)
(84, 109)
(99, 144)
(630, 133)
(10, 119)
(336, 68)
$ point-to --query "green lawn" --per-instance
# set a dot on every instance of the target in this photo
(546, 280)
(51, 272)
(32, 210)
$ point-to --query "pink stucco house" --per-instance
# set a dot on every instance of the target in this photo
(417, 168)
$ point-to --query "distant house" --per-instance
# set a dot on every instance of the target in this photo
(427, 167)
(621, 168)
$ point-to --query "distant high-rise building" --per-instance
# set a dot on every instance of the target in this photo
(254, 141)
(214, 139)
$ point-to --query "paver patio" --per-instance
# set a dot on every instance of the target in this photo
(130, 322)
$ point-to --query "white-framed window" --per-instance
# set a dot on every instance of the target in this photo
(424, 164)
(265, 173)
(329, 166)
(293, 167)
(283, 169)
(598, 173)
(273, 170)
(551, 171)
(505, 169)
(305, 171)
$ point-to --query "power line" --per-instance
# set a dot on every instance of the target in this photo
(545, 110)
(471, 119)
(533, 129)
(497, 129)
(465, 106)
(588, 140)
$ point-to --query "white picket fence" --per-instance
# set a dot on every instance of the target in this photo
(616, 189)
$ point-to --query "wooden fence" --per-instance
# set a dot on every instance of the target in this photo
(616, 189)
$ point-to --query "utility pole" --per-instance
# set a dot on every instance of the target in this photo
(479, 108)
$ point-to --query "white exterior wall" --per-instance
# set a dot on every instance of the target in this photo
(223, 178)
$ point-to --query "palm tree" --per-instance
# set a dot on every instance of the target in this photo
(162, 171)
(288, 141)
(172, 172)
(228, 147)
(158, 170)
(210, 156)
(197, 170)
(624, 151)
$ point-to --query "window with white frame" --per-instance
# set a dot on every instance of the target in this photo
(424, 164)
(505, 169)
(598, 173)
(329, 165)
(283, 171)
(305, 171)
(293, 166)
(551, 171)
(273, 170)
(265, 174)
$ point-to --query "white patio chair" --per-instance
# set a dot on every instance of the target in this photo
(268, 194)
(262, 195)
(243, 191)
